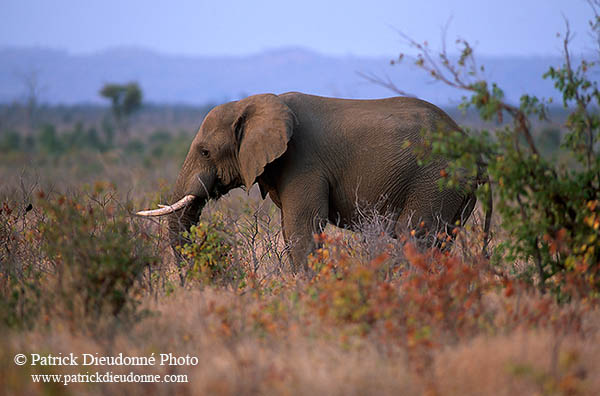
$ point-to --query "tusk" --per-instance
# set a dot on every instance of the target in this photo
(167, 209)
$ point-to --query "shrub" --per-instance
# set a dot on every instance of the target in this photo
(134, 146)
(10, 141)
(257, 229)
(20, 305)
(209, 254)
(80, 138)
(20, 274)
(48, 140)
(95, 252)
(549, 209)
(435, 295)
(80, 259)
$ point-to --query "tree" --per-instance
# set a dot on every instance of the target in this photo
(549, 209)
(125, 100)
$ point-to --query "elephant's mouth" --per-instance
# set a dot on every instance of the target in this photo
(221, 189)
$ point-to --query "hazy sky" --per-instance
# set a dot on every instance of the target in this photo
(497, 27)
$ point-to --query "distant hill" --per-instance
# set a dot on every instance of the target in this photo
(65, 78)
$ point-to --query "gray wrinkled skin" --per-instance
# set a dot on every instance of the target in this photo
(318, 158)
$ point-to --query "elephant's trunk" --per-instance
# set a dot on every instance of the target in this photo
(192, 191)
(182, 220)
(201, 187)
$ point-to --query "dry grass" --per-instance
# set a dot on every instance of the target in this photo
(352, 329)
(298, 361)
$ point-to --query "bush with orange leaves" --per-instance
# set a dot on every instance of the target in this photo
(435, 298)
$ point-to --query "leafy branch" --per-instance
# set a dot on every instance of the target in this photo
(549, 210)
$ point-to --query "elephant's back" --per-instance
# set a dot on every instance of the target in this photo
(378, 132)
(374, 119)
(366, 147)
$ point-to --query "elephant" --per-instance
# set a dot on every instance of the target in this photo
(318, 158)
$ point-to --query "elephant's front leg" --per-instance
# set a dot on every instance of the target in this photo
(304, 213)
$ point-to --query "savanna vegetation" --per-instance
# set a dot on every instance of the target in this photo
(79, 273)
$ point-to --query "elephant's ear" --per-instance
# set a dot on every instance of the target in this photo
(262, 130)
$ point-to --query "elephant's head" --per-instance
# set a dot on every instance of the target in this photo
(231, 149)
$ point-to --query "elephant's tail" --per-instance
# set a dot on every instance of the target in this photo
(488, 219)
(482, 179)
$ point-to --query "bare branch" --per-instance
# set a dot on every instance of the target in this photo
(386, 83)
(462, 74)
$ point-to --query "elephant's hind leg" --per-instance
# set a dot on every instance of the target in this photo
(418, 218)
(431, 222)
(462, 214)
